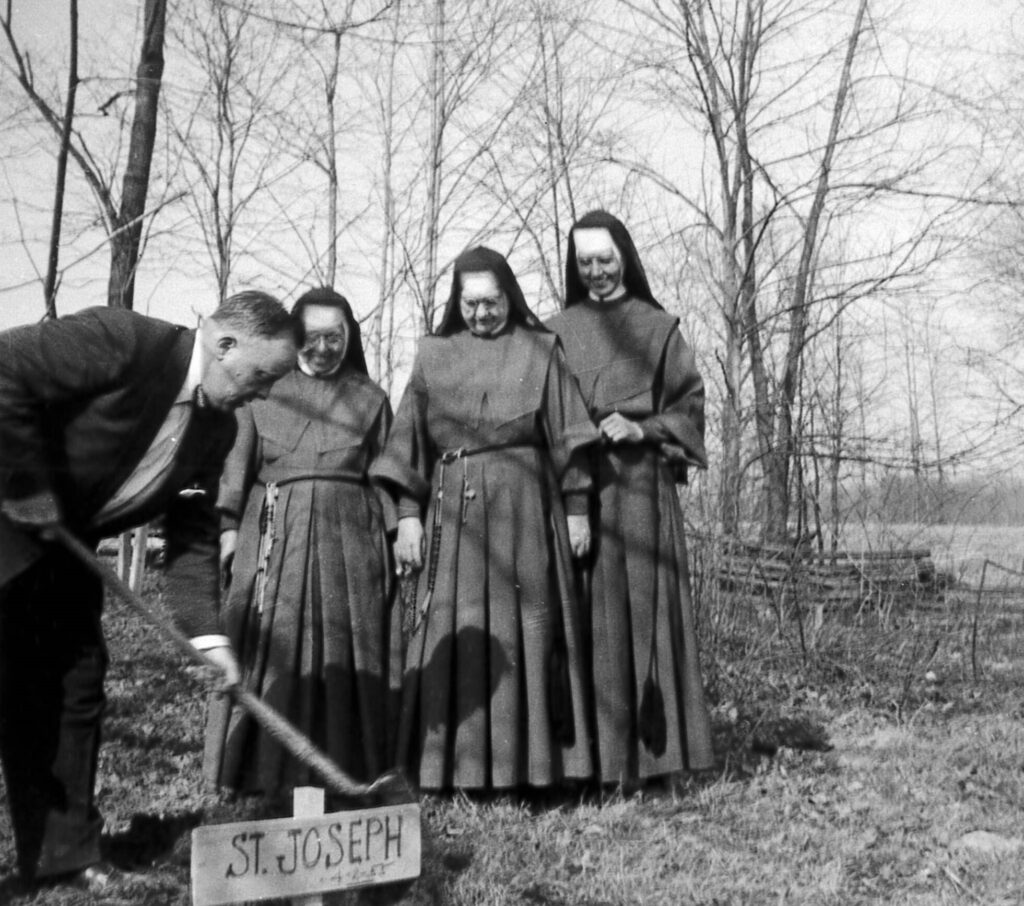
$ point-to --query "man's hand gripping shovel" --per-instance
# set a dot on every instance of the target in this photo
(391, 785)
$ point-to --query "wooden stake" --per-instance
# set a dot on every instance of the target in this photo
(138, 570)
(124, 555)
(308, 802)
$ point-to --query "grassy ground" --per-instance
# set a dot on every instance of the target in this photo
(857, 766)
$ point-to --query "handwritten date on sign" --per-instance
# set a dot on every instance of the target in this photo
(287, 857)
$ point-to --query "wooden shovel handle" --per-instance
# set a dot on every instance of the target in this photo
(271, 721)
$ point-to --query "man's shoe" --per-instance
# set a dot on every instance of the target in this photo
(93, 878)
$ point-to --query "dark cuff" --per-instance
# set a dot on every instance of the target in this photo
(408, 506)
(577, 503)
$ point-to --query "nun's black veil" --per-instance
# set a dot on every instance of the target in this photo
(634, 275)
(479, 259)
(323, 295)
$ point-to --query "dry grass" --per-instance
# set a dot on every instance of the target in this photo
(922, 752)
(874, 821)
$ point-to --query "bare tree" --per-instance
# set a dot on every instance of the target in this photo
(321, 111)
(747, 87)
(126, 250)
(437, 90)
(123, 222)
(778, 441)
(226, 130)
(546, 164)
(467, 110)
(383, 87)
(50, 284)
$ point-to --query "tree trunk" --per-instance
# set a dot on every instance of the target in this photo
(382, 323)
(333, 229)
(783, 446)
(837, 438)
(438, 116)
(731, 472)
(50, 284)
(127, 239)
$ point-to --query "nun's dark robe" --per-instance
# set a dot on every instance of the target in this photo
(494, 691)
(651, 716)
(312, 626)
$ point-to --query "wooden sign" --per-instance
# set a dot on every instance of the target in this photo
(294, 857)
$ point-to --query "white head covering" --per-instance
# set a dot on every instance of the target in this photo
(592, 241)
(634, 278)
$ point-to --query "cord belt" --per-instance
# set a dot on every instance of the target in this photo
(312, 476)
(444, 460)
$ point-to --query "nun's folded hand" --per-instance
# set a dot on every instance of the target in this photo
(621, 430)
(579, 534)
(409, 545)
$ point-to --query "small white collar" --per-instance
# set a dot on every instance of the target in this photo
(305, 369)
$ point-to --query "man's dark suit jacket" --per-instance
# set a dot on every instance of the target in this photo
(81, 400)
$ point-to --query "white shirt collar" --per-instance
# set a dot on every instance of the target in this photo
(194, 377)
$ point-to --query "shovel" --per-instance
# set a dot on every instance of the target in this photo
(391, 783)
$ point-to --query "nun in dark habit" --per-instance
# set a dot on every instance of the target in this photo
(642, 389)
(488, 451)
(311, 608)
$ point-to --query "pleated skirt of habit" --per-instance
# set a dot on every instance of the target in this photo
(494, 693)
(650, 713)
(323, 646)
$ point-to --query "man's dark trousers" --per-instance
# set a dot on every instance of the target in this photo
(52, 664)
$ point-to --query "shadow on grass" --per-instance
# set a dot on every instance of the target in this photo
(744, 741)
(12, 887)
(151, 839)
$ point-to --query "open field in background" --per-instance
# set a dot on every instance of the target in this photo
(959, 551)
(879, 759)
